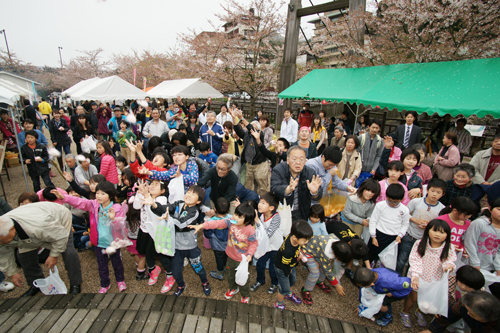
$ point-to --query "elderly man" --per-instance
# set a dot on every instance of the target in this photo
(464, 137)
(71, 164)
(296, 183)
(486, 163)
(212, 133)
(84, 172)
(30, 227)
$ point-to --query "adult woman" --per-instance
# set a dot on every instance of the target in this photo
(305, 142)
(104, 115)
(448, 157)
(350, 165)
(268, 131)
(338, 137)
(58, 128)
(362, 125)
(82, 130)
(325, 122)
(63, 116)
(193, 129)
(318, 134)
(257, 116)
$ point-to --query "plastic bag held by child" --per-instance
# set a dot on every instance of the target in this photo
(176, 189)
(489, 278)
(52, 285)
(371, 302)
(241, 277)
(389, 256)
(165, 237)
(286, 217)
(261, 235)
(433, 296)
(120, 236)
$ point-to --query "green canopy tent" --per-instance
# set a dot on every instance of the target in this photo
(456, 87)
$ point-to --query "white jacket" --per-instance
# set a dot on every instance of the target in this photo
(289, 130)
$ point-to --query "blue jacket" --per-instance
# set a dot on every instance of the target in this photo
(116, 125)
(211, 159)
(217, 237)
(391, 282)
(41, 138)
(215, 141)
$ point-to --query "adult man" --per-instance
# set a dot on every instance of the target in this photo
(155, 127)
(289, 127)
(84, 171)
(325, 167)
(212, 133)
(463, 136)
(71, 164)
(28, 125)
(30, 113)
(408, 134)
(114, 122)
(45, 108)
(296, 183)
(29, 227)
(173, 116)
(306, 116)
(486, 163)
(371, 147)
(74, 118)
(93, 116)
(347, 122)
(201, 111)
(224, 116)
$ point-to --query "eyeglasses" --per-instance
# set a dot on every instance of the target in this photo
(297, 160)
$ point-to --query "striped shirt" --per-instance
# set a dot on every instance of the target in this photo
(464, 139)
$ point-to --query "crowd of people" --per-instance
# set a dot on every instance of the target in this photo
(243, 183)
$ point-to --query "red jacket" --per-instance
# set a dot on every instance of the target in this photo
(108, 168)
(305, 118)
(134, 167)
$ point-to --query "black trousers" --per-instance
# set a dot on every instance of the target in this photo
(383, 241)
(33, 271)
(46, 179)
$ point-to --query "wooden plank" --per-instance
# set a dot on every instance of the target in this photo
(288, 320)
(360, 328)
(136, 304)
(61, 323)
(158, 302)
(88, 321)
(127, 321)
(113, 321)
(228, 326)
(63, 303)
(117, 300)
(76, 320)
(254, 314)
(49, 321)
(372, 330)
(8, 324)
(179, 304)
(312, 323)
(348, 327)
(85, 301)
(220, 309)
(300, 322)
(147, 302)
(277, 318)
(190, 323)
(75, 300)
(280, 330)
(152, 321)
(231, 312)
(254, 328)
(169, 303)
(19, 304)
(8, 304)
(37, 321)
(96, 301)
(326, 7)
(241, 327)
(139, 321)
(336, 325)
(106, 301)
(210, 308)
(189, 306)
(41, 302)
(2, 301)
(243, 310)
(202, 325)
(199, 308)
(31, 302)
(24, 321)
(127, 301)
(215, 325)
(53, 300)
(324, 325)
(164, 322)
(266, 316)
(177, 323)
(101, 320)
(267, 329)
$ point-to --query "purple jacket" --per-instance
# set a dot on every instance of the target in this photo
(103, 120)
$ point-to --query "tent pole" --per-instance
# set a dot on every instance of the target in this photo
(356, 117)
(19, 148)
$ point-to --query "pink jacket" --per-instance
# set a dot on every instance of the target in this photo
(383, 188)
(451, 158)
(59, 201)
(430, 267)
(92, 206)
(108, 168)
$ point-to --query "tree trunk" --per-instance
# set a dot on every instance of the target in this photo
(252, 105)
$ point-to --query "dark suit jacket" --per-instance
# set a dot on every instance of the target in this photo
(415, 136)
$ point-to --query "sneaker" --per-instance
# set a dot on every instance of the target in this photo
(103, 290)
(324, 287)
(180, 290)
(293, 298)
(245, 300)
(6, 286)
(355, 262)
(255, 286)
(384, 320)
(122, 286)
(280, 306)
(405, 320)
(216, 275)
(306, 297)
(272, 289)
(51, 174)
(153, 276)
(231, 292)
(206, 288)
(142, 275)
(420, 319)
(169, 283)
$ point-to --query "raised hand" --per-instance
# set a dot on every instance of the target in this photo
(388, 142)
(178, 172)
(256, 135)
(236, 202)
(139, 145)
(68, 176)
(196, 228)
(293, 184)
(111, 214)
(314, 184)
(57, 194)
(141, 187)
(148, 200)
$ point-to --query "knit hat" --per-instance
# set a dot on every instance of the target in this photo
(305, 127)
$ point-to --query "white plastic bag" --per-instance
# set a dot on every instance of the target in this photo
(433, 296)
(490, 278)
(262, 239)
(85, 147)
(389, 256)
(371, 302)
(165, 237)
(119, 232)
(176, 189)
(286, 217)
(90, 142)
(338, 270)
(241, 277)
(461, 261)
(52, 285)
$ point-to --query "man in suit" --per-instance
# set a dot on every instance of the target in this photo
(408, 134)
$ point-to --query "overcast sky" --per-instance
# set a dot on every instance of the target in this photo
(36, 28)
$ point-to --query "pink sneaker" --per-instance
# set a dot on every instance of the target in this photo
(153, 276)
(169, 283)
(103, 290)
(122, 286)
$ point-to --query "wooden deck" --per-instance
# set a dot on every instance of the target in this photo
(107, 313)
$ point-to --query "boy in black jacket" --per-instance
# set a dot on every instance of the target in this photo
(36, 157)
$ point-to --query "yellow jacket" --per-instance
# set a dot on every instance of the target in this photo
(44, 108)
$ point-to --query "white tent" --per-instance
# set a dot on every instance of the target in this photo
(107, 90)
(14, 88)
(186, 88)
(80, 85)
(7, 96)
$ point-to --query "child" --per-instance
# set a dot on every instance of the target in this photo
(468, 279)
(285, 260)
(206, 154)
(389, 221)
(79, 224)
(218, 237)
(228, 141)
(271, 221)
(108, 164)
(27, 198)
(102, 211)
(319, 252)
(145, 246)
(430, 258)
(422, 211)
(423, 170)
(127, 182)
(185, 214)
(93, 182)
(410, 158)
(317, 220)
(113, 145)
(160, 160)
(35, 155)
(457, 216)
(384, 281)
(395, 170)
(359, 207)
(241, 241)
(123, 135)
(461, 184)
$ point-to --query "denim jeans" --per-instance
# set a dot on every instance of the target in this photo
(67, 149)
(194, 256)
(261, 268)
(285, 282)
(404, 249)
